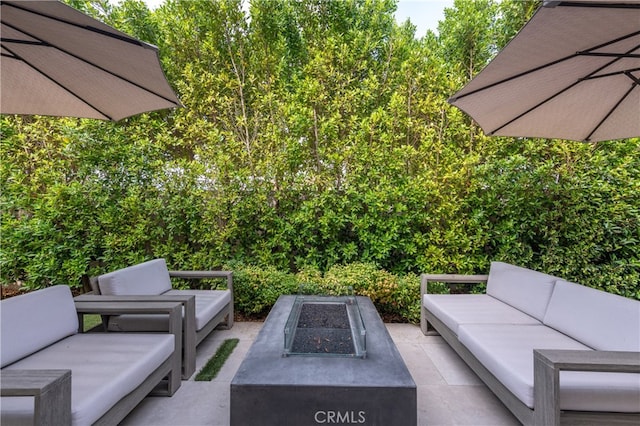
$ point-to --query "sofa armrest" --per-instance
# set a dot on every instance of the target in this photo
(227, 275)
(457, 279)
(425, 279)
(187, 301)
(548, 363)
(51, 390)
(116, 307)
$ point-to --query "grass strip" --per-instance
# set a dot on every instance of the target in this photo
(213, 366)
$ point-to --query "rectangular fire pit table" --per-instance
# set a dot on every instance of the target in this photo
(270, 388)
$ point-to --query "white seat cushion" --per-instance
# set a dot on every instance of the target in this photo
(456, 309)
(35, 320)
(601, 320)
(104, 368)
(148, 278)
(209, 303)
(526, 290)
(507, 352)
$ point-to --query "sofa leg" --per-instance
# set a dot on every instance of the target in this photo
(228, 322)
(546, 392)
(50, 389)
(426, 327)
(189, 356)
(429, 330)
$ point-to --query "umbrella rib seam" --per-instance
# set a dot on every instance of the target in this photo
(608, 43)
(617, 58)
(539, 104)
(633, 86)
(121, 37)
(513, 77)
(586, 52)
(611, 74)
(600, 5)
(633, 78)
(562, 92)
(18, 57)
(48, 44)
(56, 65)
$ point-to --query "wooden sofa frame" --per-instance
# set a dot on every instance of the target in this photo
(191, 337)
(547, 365)
(51, 389)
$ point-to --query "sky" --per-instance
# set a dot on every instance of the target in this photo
(424, 14)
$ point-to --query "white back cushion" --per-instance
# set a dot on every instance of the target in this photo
(601, 320)
(35, 320)
(522, 288)
(148, 278)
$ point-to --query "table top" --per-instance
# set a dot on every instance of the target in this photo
(265, 364)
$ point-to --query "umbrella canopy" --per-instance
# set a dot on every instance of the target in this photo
(572, 72)
(58, 61)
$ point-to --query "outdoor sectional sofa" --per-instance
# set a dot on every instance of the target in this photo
(527, 328)
(204, 310)
(52, 374)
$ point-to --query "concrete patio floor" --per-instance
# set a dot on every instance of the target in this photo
(449, 393)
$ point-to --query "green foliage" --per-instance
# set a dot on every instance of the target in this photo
(315, 134)
(571, 211)
(467, 36)
(214, 365)
(257, 289)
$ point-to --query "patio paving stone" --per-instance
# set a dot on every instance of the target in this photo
(449, 393)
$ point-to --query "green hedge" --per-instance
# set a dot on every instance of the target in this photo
(571, 210)
(316, 134)
(397, 297)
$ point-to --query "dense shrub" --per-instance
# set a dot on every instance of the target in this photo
(314, 135)
(574, 215)
(257, 289)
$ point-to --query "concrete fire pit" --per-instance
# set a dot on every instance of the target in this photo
(272, 387)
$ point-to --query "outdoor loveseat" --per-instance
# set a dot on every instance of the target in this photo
(529, 328)
(52, 374)
(204, 310)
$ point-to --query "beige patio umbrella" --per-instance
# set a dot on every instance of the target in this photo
(572, 72)
(58, 61)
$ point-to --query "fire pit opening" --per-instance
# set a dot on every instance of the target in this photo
(325, 326)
